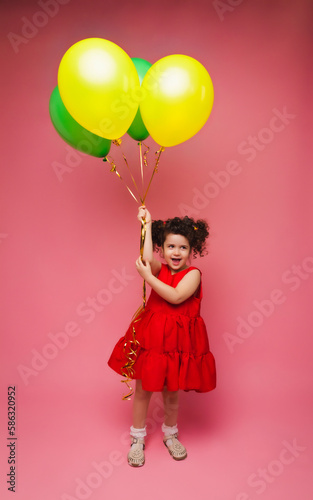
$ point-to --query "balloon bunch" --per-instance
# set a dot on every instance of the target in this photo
(103, 94)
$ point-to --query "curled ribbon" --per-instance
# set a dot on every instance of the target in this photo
(130, 351)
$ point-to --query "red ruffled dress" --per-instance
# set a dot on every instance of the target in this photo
(174, 347)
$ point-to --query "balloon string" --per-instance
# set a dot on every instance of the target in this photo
(142, 243)
(131, 345)
(118, 142)
(143, 161)
(141, 168)
(113, 169)
(158, 154)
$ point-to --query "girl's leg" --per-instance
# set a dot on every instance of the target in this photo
(170, 399)
(170, 429)
(140, 405)
(136, 456)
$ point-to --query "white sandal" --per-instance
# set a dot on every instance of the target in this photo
(136, 456)
(176, 449)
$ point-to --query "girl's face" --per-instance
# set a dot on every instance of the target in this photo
(176, 251)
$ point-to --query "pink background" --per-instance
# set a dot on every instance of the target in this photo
(64, 241)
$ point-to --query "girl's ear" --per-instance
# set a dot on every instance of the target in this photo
(161, 253)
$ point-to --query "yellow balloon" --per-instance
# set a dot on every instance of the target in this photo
(98, 82)
(177, 99)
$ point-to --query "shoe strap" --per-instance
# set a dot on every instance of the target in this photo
(172, 436)
(135, 440)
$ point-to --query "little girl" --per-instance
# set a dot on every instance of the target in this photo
(173, 351)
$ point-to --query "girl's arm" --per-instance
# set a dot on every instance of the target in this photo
(148, 256)
(185, 288)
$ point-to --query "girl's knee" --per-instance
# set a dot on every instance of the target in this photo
(170, 394)
(171, 399)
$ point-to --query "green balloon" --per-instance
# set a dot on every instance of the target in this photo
(137, 130)
(73, 133)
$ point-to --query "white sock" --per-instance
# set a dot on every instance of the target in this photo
(169, 431)
(138, 433)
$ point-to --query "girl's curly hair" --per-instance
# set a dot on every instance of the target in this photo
(196, 233)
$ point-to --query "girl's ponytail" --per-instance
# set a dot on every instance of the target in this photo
(157, 231)
(200, 234)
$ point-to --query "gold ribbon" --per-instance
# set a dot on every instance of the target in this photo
(143, 160)
(131, 345)
(113, 168)
(141, 168)
(158, 154)
(118, 142)
(130, 351)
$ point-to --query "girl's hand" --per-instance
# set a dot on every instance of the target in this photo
(143, 268)
(143, 213)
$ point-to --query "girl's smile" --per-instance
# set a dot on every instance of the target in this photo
(176, 251)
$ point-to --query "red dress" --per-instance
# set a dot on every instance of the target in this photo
(174, 347)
